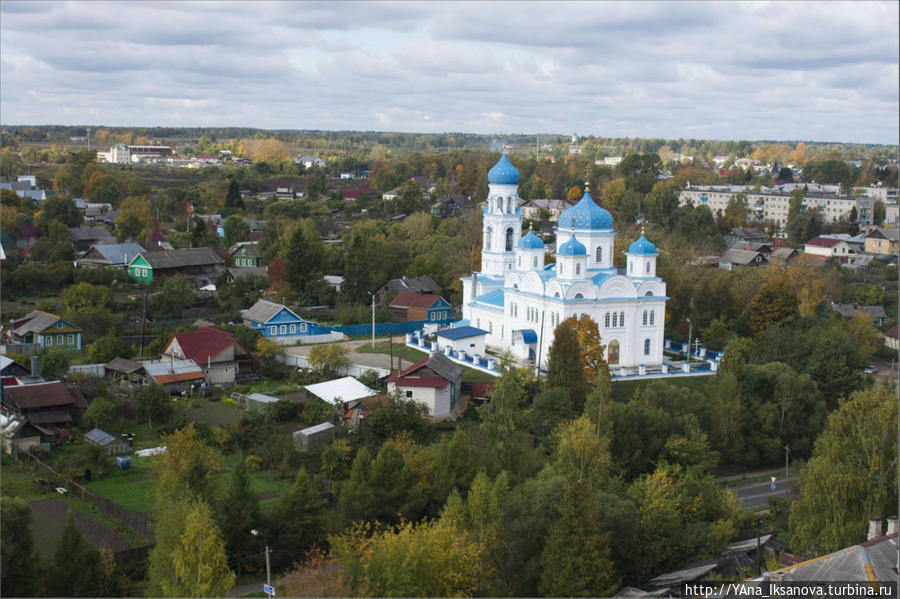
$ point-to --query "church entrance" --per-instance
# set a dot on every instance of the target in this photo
(613, 354)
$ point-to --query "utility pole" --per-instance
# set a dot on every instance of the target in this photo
(787, 481)
(144, 317)
(690, 330)
(373, 318)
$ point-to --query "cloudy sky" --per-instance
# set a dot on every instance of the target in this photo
(822, 71)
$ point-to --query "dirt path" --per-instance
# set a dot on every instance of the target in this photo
(50, 519)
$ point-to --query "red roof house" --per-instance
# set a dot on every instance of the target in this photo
(217, 352)
(435, 382)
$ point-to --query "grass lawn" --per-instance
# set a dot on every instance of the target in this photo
(132, 488)
(213, 412)
(261, 481)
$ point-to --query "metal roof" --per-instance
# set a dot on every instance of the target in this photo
(181, 258)
(118, 253)
(317, 428)
(341, 390)
(263, 310)
(261, 398)
(494, 298)
(461, 333)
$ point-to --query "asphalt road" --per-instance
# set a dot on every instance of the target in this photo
(755, 494)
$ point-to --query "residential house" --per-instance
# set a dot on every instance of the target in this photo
(28, 237)
(45, 405)
(278, 322)
(880, 240)
(128, 373)
(309, 161)
(223, 360)
(26, 187)
(19, 436)
(891, 340)
(734, 257)
(110, 255)
(284, 192)
(336, 282)
(423, 284)
(746, 234)
(95, 212)
(85, 237)
(147, 266)
(825, 247)
(763, 248)
(434, 382)
(246, 254)
(451, 205)
(409, 306)
(782, 255)
(541, 210)
(176, 376)
(108, 442)
(48, 330)
(848, 310)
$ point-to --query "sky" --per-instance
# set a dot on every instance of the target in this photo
(817, 71)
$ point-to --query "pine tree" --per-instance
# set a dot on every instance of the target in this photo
(233, 197)
(296, 519)
(76, 564)
(565, 363)
(201, 568)
(238, 512)
(19, 566)
(576, 560)
(357, 500)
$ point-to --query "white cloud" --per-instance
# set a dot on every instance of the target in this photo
(777, 70)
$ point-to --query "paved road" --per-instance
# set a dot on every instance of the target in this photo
(755, 494)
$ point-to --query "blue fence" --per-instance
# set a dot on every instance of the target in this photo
(381, 328)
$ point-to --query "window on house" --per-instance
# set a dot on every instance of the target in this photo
(409, 394)
(59, 340)
(644, 319)
(651, 316)
(293, 328)
(70, 339)
(283, 329)
(615, 319)
(606, 320)
(302, 327)
(273, 330)
(49, 339)
(599, 254)
(621, 319)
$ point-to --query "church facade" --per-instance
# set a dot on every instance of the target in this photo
(519, 300)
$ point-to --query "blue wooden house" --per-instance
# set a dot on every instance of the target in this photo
(278, 322)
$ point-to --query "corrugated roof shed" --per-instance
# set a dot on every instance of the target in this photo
(182, 258)
(341, 390)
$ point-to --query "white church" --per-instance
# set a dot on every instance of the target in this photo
(519, 300)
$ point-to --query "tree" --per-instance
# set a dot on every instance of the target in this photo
(357, 500)
(296, 520)
(233, 197)
(238, 513)
(565, 363)
(410, 198)
(201, 568)
(360, 261)
(316, 184)
(76, 564)
(591, 348)
(100, 412)
(172, 299)
(328, 359)
(582, 455)
(53, 364)
(500, 420)
(236, 229)
(111, 581)
(105, 349)
(19, 562)
(775, 304)
(153, 401)
(60, 208)
(852, 475)
(576, 560)
(304, 257)
(185, 470)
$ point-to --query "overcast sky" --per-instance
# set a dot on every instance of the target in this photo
(822, 71)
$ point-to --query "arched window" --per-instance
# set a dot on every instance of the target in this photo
(615, 319)
(556, 294)
(644, 319)
(646, 267)
(630, 266)
(579, 296)
(646, 347)
(487, 238)
(648, 294)
(509, 236)
(621, 319)
(534, 262)
(606, 320)
(599, 254)
(561, 269)
(651, 316)
(519, 261)
(577, 269)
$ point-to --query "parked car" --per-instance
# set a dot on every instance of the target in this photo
(870, 369)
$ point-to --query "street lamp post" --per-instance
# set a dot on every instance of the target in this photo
(256, 533)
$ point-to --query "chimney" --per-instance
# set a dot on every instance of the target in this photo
(874, 529)
(892, 526)
(34, 366)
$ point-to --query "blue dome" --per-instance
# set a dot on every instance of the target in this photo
(573, 247)
(503, 173)
(530, 241)
(585, 215)
(642, 246)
